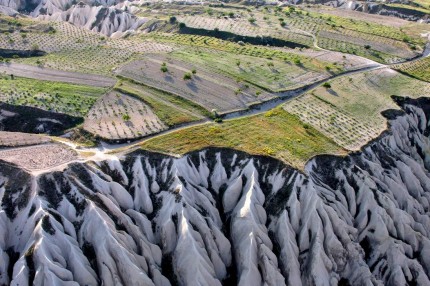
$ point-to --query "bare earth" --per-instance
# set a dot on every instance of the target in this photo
(56, 75)
(15, 139)
(39, 157)
(108, 118)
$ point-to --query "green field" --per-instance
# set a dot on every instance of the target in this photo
(52, 96)
(276, 133)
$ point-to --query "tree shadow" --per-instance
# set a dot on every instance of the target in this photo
(192, 85)
(332, 92)
(169, 78)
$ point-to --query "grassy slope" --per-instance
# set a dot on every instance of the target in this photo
(275, 133)
(54, 96)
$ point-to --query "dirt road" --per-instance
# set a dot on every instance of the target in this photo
(41, 73)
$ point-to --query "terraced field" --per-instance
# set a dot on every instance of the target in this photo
(268, 74)
(72, 48)
(349, 111)
(172, 110)
(381, 42)
(419, 69)
(256, 51)
(119, 116)
(188, 63)
(194, 83)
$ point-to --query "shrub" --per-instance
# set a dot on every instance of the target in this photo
(194, 71)
(172, 20)
(406, 39)
(187, 76)
(164, 67)
(182, 25)
(252, 20)
(327, 85)
(126, 117)
(367, 47)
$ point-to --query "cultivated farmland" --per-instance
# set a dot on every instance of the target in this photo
(348, 110)
(269, 74)
(211, 90)
(119, 116)
(172, 110)
(72, 48)
(419, 69)
(381, 42)
(60, 97)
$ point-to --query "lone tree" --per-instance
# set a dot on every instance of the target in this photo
(172, 20)
(327, 85)
(163, 67)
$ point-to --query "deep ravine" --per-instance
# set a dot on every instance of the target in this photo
(223, 217)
